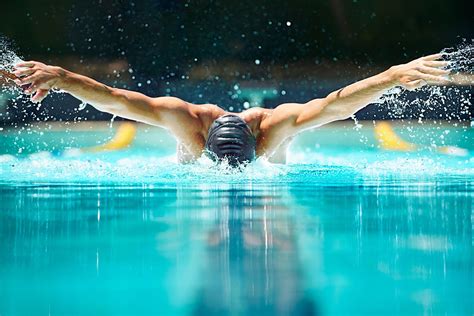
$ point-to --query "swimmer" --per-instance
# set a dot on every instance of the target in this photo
(235, 137)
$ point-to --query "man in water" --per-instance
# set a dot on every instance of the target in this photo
(235, 137)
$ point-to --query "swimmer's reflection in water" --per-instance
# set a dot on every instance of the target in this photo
(252, 263)
(237, 137)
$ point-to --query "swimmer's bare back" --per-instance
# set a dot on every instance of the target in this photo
(189, 123)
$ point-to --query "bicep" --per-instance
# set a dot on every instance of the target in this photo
(317, 112)
(299, 116)
(302, 116)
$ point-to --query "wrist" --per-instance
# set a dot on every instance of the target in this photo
(391, 77)
(62, 78)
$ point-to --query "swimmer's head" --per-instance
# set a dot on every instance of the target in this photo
(231, 139)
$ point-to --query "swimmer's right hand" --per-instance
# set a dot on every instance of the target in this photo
(38, 78)
(422, 71)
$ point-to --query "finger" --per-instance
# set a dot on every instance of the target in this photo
(26, 80)
(432, 57)
(436, 63)
(415, 84)
(432, 79)
(26, 64)
(434, 71)
(40, 95)
(24, 72)
(31, 89)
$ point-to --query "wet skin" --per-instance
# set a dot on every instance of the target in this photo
(189, 123)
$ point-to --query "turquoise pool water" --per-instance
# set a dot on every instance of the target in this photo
(344, 228)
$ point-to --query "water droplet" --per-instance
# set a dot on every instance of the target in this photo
(112, 121)
(82, 106)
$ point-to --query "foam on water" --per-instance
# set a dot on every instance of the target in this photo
(45, 167)
(343, 168)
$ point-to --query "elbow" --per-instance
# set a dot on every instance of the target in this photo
(335, 109)
(343, 115)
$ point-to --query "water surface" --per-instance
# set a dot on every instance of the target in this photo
(339, 230)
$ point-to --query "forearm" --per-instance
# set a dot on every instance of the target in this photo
(88, 90)
(127, 104)
(168, 112)
(344, 102)
(349, 100)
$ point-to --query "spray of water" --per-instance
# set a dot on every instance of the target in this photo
(437, 98)
(8, 57)
(461, 58)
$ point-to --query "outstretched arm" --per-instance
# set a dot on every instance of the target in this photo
(345, 102)
(39, 78)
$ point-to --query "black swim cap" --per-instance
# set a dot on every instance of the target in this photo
(230, 138)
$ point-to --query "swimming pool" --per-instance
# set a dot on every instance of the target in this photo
(344, 228)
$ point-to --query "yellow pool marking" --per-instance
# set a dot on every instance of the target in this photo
(123, 138)
(389, 140)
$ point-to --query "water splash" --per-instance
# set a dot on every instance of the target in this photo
(82, 106)
(461, 58)
(8, 59)
(112, 121)
(436, 98)
(8, 56)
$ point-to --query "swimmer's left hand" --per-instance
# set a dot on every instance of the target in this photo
(419, 72)
(38, 78)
